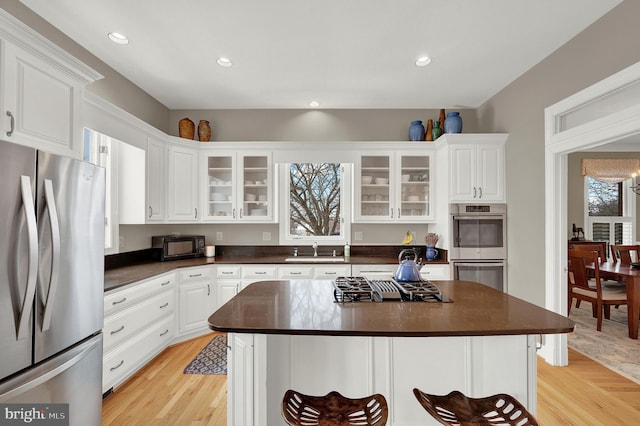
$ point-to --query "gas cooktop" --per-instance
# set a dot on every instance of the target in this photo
(361, 289)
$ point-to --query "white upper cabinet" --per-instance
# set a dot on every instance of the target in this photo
(182, 184)
(393, 187)
(476, 164)
(237, 187)
(156, 180)
(40, 91)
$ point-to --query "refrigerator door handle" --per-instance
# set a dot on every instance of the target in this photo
(55, 253)
(47, 371)
(32, 231)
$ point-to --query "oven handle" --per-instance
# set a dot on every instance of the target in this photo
(497, 263)
(480, 216)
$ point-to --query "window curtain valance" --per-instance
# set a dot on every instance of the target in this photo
(610, 170)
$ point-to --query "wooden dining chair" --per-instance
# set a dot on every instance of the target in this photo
(600, 297)
(601, 248)
(333, 409)
(626, 254)
(458, 409)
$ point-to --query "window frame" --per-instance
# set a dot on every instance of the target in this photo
(345, 209)
(628, 212)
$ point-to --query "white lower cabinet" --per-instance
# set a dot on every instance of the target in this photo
(440, 271)
(139, 322)
(262, 367)
(376, 272)
(302, 272)
(228, 279)
(331, 272)
(240, 380)
(252, 274)
(197, 296)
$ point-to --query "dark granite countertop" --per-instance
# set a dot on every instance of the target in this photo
(126, 268)
(277, 307)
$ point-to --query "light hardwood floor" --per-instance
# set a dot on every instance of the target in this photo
(160, 394)
(584, 393)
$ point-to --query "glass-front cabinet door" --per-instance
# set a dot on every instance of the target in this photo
(415, 186)
(239, 187)
(256, 182)
(221, 191)
(373, 189)
(393, 187)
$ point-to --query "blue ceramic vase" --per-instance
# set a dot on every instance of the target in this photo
(432, 253)
(453, 123)
(416, 131)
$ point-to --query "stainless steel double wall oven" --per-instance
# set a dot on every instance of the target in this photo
(479, 243)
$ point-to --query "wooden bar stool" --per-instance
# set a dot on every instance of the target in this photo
(458, 409)
(333, 409)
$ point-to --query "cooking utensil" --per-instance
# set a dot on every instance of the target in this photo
(408, 270)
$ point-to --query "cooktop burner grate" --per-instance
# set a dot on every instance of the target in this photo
(358, 289)
(352, 289)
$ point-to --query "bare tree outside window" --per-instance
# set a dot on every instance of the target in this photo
(314, 194)
(605, 199)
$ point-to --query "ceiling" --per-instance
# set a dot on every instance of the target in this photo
(344, 54)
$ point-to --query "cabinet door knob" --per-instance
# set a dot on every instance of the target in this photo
(480, 192)
(13, 123)
(150, 211)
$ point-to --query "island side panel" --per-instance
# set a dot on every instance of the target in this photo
(358, 366)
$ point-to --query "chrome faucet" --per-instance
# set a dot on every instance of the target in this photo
(315, 249)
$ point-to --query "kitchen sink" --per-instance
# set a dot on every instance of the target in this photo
(314, 259)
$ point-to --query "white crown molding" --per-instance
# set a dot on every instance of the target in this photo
(16, 32)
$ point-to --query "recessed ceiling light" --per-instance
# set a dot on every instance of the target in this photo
(314, 104)
(423, 61)
(224, 62)
(118, 38)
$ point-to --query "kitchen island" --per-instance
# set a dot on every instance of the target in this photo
(292, 334)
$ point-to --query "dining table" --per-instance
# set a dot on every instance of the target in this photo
(631, 276)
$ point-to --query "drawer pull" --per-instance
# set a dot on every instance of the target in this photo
(164, 332)
(261, 273)
(118, 330)
(117, 366)
(227, 273)
(194, 275)
(164, 306)
(119, 301)
(296, 273)
(166, 283)
(330, 273)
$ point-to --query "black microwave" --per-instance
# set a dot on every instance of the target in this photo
(174, 247)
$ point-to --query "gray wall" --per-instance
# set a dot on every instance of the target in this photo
(315, 125)
(113, 87)
(606, 47)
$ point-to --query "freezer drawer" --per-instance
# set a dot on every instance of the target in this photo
(73, 377)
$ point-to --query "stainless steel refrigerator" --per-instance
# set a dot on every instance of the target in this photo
(51, 282)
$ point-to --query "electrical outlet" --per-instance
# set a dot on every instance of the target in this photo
(219, 236)
(266, 236)
(357, 236)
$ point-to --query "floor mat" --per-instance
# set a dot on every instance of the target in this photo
(211, 360)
